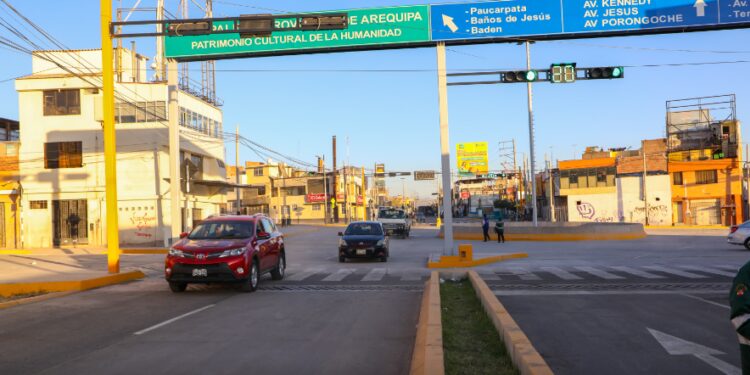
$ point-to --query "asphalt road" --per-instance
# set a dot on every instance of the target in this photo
(587, 307)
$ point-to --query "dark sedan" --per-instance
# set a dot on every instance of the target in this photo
(363, 239)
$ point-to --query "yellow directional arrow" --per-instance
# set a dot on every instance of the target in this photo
(448, 21)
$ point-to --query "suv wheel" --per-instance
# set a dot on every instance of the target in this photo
(747, 244)
(177, 287)
(278, 272)
(251, 284)
(342, 259)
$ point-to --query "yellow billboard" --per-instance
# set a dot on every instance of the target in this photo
(472, 158)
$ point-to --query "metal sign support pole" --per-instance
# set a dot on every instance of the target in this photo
(445, 150)
(174, 151)
(531, 140)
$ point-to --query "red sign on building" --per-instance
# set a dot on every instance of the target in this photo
(315, 198)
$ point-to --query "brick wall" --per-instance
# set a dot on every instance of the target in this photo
(656, 158)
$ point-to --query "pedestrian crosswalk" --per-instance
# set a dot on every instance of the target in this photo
(531, 274)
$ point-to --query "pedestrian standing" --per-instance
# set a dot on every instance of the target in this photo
(500, 230)
(486, 227)
(739, 300)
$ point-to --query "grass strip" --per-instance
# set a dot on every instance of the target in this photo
(471, 344)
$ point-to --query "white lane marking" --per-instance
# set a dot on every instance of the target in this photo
(729, 267)
(524, 274)
(565, 275)
(599, 273)
(376, 274)
(676, 272)
(705, 300)
(636, 272)
(340, 274)
(709, 270)
(299, 276)
(413, 275)
(173, 319)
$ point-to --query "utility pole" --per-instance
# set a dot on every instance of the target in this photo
(346, 194)
(159, 58)
(551, 192)
(445, 150)
(237, 167)
(334, 207)
(531, 138)
(325, 190)
(645, 195)
(364, 196)
(110, 140)
(174, 151)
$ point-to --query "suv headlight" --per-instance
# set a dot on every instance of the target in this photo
(381, 243)
(342, 243)
(233, 252)
(176, 253)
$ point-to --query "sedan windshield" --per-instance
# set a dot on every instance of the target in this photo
(222, 230)
(391, 214)
(363, 229)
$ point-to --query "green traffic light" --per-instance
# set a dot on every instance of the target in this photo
(532, 75)
(617, 72)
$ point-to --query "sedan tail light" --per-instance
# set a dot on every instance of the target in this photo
(733, 229)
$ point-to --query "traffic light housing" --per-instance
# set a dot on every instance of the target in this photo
(520, 76)
(607, 72)
(562, 73)
(255, 25)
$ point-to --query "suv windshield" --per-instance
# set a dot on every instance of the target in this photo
(391, 214)
(222, 230)
(363, 229)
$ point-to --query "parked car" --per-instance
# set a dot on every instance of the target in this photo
(363, 239)
(395, 221)
(227, 249)
(740, 234)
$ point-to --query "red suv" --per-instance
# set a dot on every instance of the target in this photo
(227, 249)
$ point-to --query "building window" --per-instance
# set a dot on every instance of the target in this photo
(63, 155)
(316, 207)
(705, 177)
(293, 190)
(258, 172)
(38, 205)
(126, 112)
(573, 177)
(677, 178)
(220, 163)
(62, 102)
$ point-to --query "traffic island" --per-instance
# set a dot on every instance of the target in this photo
(470, 343)
(465, 258)
(545, 231)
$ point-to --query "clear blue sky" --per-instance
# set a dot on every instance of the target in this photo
(392, 117)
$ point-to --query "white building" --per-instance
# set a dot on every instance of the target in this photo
(61, 157)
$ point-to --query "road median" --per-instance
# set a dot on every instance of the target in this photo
(11, 289)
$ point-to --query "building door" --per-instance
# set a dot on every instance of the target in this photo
(70, 222)
(677, 208)
(706, 211)
(2, 225)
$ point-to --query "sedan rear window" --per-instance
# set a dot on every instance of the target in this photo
(222, 230)
(361, 229)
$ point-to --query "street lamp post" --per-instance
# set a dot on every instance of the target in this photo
(531, 138)
(325, 190)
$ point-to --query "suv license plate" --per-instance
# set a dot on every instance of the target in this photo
(362, 252)
(200, 272)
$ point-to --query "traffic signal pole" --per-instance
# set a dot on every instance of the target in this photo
(110, 139)
(445, 150)
(531, 138)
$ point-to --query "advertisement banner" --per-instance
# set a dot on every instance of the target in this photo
(472, 159)
(315, 198)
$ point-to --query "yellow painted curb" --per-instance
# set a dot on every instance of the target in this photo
(15, 252)
(687, 227)
(7, 290)
(427, 358)
(448, 261)
(521, 351)
(554, 237)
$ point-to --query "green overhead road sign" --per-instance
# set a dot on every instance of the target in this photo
(365, 27)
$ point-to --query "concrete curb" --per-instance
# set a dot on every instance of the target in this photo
(143, 251)
(521, 351)
(449, 261)
(427, 358)
(10, 289)
(27, 300)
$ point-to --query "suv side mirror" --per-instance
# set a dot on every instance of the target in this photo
(183, 235)
(264, 235)
(341, 233)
